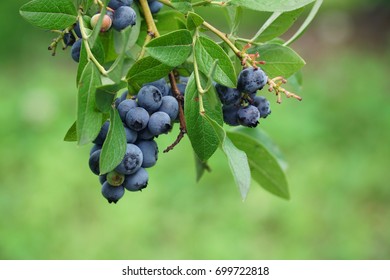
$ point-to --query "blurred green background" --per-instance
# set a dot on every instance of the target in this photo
(337, 144)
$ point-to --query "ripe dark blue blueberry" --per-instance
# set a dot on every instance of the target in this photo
(115, 4)
(150, 152)
(170, 106)
(76, 48)
(248, 116)
(99, 140)
(94, 162)
(251, 80)
(137, 118)
(112, 193)
(137, 181)
(150, 98)
(102, 179)
(228, 96)
(69, 39)
(125, 106)
(262, 105)
(161, 85)
(132, 160)
(121, 98)
(145, 134)
(95, 148)
(77, 30)
(230, 114)
(131, 135)
(124, 16)
(155, 6)
(159, 123)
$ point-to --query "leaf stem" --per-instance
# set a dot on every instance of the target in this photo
(90, 55)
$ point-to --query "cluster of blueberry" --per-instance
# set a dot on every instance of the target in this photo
(241, 106)
(145, 116)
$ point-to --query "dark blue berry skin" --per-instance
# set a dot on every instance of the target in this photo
(230, 114)
(137, 118)
(180, 87)
(132, 160)
(159, 123)
(94, 162)
(161, 85)
(115, 4)
(170, 106)
(155, 6)
(77, 30)
(150, 152)
(94, 149)
(137, 181)
(228, 96)
(124, 16)
(121, 98)
(131, 135)
(145, 134)
(111, 193)
(76, 48)
(150, 98)
(125, 106)
(262, 105)
(251, 80)
(102, 179)
(69, 39)
(102, 134)
(248, 116)
(184, 80)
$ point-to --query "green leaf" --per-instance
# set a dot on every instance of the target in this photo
(202, 135)
(201, 167)
(271, 5)
(49, 14)
(89, 119)
(194, 21)
(172, 49)
(206, 53)
(147, 69)
(280, 60)
(277, 25)
(306, 23)
(264, 167)
(171, 20)
(234, 16)
(183, 6)
(238, 160)
(71, 135)
(114, 146)
(98, 52)
(105, 96)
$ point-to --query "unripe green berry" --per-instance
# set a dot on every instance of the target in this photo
(115, 179)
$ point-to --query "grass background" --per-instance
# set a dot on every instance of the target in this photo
(336, 143)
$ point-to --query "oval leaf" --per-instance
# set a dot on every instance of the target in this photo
(49, 14)
(114, 146)
(206, 53)
(264, 167)
(171, 49)
(280, 60)
(194, 21)
(272, 5)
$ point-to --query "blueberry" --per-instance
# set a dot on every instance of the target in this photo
(111, 193)
(125, 106)
(150, 98)
(161, 85)
(155, 6)
(170, 106)
(115, 4)
(69, 39)
(137, 118)
(131, 135)
(180, 87)
(94, 162)
(76, 48)
(159, 123)
(106, 23)
(184, 80)
(137, 181)
(124, 16)
(248, 116)
(230, 114)
(95, 148)
(132, 160)
(250, 80)
(228, 96)
(121, 98)
(115, 179)
(102, 179)
(145, 134)
(99, 140)
(262, 105)
(150, 152)
(77, 30)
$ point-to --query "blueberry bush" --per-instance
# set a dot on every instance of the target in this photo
(145, 66)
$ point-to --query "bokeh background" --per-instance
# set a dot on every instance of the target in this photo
(337, 144)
